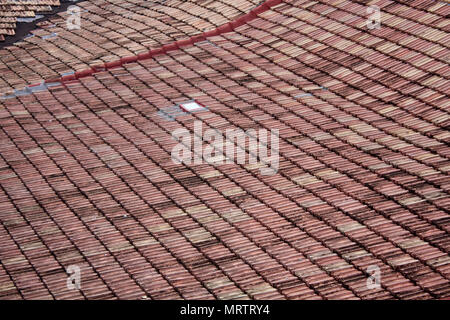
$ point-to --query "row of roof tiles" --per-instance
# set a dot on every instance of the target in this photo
(87, 177)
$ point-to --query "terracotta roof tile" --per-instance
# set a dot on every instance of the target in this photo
(87, 178)
(15, 10)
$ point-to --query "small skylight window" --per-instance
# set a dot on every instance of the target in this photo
(192, 106)
(181, 109)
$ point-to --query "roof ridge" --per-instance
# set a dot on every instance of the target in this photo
(176, 45)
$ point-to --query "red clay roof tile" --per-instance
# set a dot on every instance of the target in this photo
(87, 177)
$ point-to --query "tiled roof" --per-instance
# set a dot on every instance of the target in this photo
(87, 179)
(12, 11)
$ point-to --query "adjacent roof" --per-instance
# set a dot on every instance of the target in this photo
(87, 179)
(14, 11)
